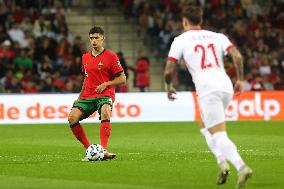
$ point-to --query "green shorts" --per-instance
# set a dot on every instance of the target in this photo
(90, 105)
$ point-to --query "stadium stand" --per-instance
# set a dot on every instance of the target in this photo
(39, 54)
(256, 27)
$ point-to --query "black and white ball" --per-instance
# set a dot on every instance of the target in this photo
(95, 152)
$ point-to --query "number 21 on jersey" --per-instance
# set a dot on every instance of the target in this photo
(204, 50)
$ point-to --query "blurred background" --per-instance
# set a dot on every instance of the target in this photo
(42, 41)
(41, 44)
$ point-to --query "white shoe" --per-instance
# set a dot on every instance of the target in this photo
(108, 155)
(244, 174)
(224, 171)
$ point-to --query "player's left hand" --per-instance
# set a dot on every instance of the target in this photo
(101, 87)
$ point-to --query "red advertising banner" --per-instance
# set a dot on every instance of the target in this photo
(264, 105)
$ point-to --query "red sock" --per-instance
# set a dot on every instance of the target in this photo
(104, 132)
(79, 133)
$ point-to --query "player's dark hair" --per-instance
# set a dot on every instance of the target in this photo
(194, 15)
(96, 29)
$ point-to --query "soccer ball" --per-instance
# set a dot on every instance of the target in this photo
(95, 152)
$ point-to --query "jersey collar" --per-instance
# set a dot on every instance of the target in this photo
(98, 54)
(195, 28)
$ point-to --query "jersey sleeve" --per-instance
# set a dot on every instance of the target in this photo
(115, 65)
(175, 51)
(226, 44)
(83, 62)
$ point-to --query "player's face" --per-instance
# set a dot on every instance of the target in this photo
(96, 40)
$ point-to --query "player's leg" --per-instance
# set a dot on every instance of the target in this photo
(74, 117)
(105, 129)
(229, 150)
(211, 143)
(206, 105)
(105, 124)
(217, 127)
(224, 168)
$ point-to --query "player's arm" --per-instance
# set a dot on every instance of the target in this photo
(86, 75)
(82, 89)
(175, 54)
(239, 67)
(119, 79)
(168, 72)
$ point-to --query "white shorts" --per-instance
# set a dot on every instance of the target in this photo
(212, 107)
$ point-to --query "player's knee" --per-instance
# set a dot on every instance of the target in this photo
(105, 115)
(105, 112)
(72, 119)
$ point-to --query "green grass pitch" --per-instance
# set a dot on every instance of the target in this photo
(150, 155)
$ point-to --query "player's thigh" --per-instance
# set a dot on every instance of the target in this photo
(226, 99)
(212, 110)
(105, 111)
(75, 115)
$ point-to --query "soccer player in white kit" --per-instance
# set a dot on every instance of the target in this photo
(203, 52)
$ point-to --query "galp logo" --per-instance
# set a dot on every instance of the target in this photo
(257, 106)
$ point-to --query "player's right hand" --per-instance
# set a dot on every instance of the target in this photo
(239, 87)
(171, 94)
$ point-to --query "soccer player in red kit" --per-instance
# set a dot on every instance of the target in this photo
(103, 72)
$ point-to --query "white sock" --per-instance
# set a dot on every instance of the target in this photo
(212, 145)
(228, 149)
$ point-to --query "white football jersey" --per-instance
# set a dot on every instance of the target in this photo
(203, 52)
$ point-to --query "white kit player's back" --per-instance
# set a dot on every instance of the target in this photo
(203, 53)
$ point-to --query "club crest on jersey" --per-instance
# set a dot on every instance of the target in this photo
(100, 65)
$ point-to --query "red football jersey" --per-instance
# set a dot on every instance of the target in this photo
(98, 70)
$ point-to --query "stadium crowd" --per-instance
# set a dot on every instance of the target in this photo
(255, 26)
(39, 55)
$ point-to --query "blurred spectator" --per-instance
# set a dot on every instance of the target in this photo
(46, 86)
(6, 56)
(13, 86)
(18, 14)
(142, 71)
(26, 25)
(78, 48)
(22, 61)
(7, 79)
(39, 26)
(256, 27)
(124, 87)
(35, 40)
(75, 67)
(29, 87)
(78, 82)
(48, 32)
(70, 87)
(16, 34)
(3, 13)
(58, 82)
(45, 69)
(123, 63)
